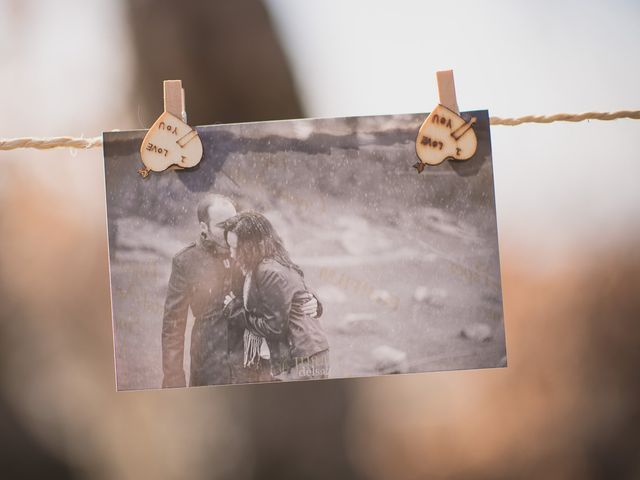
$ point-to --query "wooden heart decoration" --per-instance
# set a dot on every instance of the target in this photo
(170, 142)
(445, 134)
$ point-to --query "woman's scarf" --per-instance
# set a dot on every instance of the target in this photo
(255, 346)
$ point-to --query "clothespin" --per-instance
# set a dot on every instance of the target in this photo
(174, 98)
(447, 90)
(445, 134)
(170, 143)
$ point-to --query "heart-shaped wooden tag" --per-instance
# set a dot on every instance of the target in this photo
(445, 134)
(170, 142)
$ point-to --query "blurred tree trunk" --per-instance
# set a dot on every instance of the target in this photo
(226, 54)
(233, 70)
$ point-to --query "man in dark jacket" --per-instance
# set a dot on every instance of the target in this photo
(202, 275)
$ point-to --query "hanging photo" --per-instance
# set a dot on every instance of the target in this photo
(301, 250)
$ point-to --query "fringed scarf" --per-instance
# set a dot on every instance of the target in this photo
(252, 344)
(255, 346)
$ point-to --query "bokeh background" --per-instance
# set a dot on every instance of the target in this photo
(568, 218)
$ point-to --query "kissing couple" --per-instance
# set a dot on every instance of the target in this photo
(255, 318)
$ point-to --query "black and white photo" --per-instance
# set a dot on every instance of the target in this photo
(300, 250)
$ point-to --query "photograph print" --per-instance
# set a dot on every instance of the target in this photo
(302, 250)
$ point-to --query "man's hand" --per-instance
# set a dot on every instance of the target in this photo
(311, 307)
(228, 298)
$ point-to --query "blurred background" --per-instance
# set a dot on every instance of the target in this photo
(567, 406)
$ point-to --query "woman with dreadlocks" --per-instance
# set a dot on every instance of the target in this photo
(274, 291)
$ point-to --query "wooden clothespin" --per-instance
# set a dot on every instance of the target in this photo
(170, 143)
(445, 134)
(174, 98)
(447, 90)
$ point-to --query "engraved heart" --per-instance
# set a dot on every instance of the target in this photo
(170, 142)
(445, 134)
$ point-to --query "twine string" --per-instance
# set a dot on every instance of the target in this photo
(50, 142)
(96, 142)
(566, 117)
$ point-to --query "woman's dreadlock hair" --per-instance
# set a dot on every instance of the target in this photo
(257, 240)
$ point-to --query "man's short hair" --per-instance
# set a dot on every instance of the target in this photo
(212, 200)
